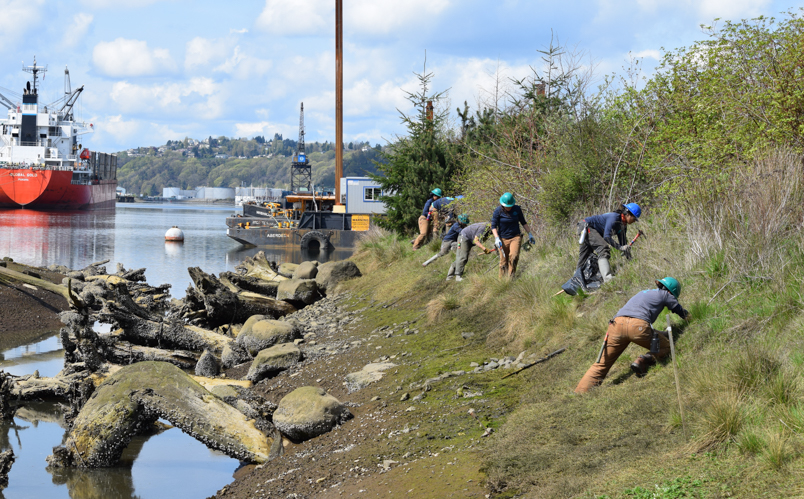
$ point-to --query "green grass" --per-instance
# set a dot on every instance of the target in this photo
(739, 362)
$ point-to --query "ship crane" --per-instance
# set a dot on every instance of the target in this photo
(7, 103)
(300, 172)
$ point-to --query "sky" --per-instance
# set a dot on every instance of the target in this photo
(158, 70)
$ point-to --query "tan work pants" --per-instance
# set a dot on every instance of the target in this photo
(621, 332)
(424, 232)
(434, 222)
(509, 255)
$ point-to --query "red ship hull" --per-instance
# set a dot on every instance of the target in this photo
(53, 189)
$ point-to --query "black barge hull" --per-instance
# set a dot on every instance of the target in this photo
(314, 231)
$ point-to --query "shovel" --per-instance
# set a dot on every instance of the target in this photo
(675, 374)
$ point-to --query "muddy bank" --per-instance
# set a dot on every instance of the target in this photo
(28, 313)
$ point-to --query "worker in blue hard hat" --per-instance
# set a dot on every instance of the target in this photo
(633, 324)
(450, 241)
(599, 232)
(424, 219)
(507, 237)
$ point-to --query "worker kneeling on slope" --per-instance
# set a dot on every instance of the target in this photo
(632, 324)
(424, 219)
(469, 237)
(597, 233)
(507, 236)
(450, 241)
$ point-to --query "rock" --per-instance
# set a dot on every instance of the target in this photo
(287, 269)
(234, 354)
(298, 291)
(265, 334)
(404, 397)
(369, 374)
(226, 392)
(332, 273)
(467, 336)
(473, 364)
(250, 323)
(306, 270)
(6, 460)
(207, 365)
(307, 412)
(272, 360)
(135, 397)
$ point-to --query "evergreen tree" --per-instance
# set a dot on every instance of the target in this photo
(417, 163)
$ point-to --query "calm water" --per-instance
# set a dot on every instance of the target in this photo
(170, 464)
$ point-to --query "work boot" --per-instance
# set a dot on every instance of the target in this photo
(605, 269)
(458, 278)
(450, 277)
(642, 364)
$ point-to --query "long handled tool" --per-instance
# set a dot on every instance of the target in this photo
(496, 263)
(536, 362)
(675, 374)
(603, 347)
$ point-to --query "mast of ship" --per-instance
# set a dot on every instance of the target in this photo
(301, 175)
(28, 134)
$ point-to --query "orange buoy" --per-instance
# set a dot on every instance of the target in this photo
(174, 234)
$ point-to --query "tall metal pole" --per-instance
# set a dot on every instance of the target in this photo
(338, 99)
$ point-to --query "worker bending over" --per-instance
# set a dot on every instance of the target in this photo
(507, 236)
(632, 324)
(424, 219)
(472, 235)
(597, 234)
(450, 241)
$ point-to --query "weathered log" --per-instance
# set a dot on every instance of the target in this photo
(162, 334)
(136, 396)
(259, 267)
(250, 283)
(124, 353)
(64, 291)
(225, 307)
(33, 387)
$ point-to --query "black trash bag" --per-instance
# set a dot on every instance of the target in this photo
(585, 277)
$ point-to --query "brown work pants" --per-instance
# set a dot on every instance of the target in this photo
(424, 233)
(621, 332)
(435, 222)
(509, 255)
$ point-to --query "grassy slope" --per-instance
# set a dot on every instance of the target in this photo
(739, 362)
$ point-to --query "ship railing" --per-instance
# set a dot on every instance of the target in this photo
(36, 143)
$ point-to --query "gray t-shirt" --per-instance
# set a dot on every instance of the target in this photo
(474, 230)
(648, 304)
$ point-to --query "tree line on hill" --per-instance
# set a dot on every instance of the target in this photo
(228, 162)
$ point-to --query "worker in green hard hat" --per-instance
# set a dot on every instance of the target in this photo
(507, 236)
(450, 240)
(632, 324)
(425, 219)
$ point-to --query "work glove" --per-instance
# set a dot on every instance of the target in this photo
(627, 253)
(624, 248)
(487, 251)
(497, 242)
(531, 239)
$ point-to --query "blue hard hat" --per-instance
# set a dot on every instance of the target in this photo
(634, 209)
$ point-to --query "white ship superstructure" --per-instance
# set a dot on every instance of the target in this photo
(34, 135)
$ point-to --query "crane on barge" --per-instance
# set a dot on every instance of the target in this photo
(301, 175)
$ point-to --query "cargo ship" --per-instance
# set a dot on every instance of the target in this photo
(42, 163)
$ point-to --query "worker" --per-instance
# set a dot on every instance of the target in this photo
(632, 324)
(424, 219)
(471, 236)
(439, 214)
(600, 232)
(450, 241)
(507, 236)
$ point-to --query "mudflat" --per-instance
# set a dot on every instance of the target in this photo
(28, 313)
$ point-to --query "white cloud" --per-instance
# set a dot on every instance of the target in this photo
(78, 28)
(280, 17)
(244, 66)
(317, 17)
(200, 96)
(123, 57)
(258, 128)
(117, 4)
(706, 10)
(648, 54)
(238, 31)
(18, 17)
(117, 127)
(202, 51)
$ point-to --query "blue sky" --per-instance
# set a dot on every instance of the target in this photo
(155, 70)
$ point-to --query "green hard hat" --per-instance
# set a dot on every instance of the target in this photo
(507, 200)
(671, 285)
(463, 218)
(436, 192)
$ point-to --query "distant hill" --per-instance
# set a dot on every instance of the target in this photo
(225, 162)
